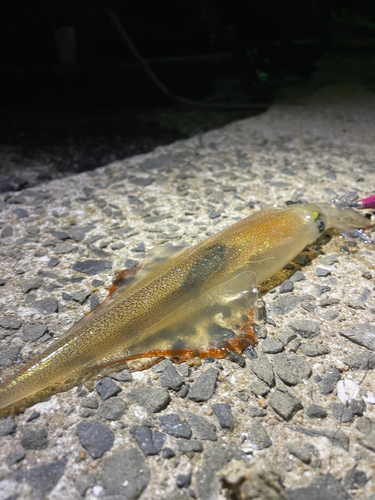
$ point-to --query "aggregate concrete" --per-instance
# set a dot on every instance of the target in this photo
(98, 223)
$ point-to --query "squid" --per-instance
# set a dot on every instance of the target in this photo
(182, 302)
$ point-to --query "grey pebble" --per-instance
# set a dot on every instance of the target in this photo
(368, 441)
(34, 439)
(263, 370)
(10, 323)
(90, 402)
(258, 436)
(362, 334)
(322, 273)
(140, 248)
(117, 246)
(200, 426)
(2, 281)
(168, 453)
(21, 213)
(305, 327)
(329, 260)
(285, 304)
(64, 248)
(261, 332)
(314, 349)
(256, 411)
(94, 302)
(259, 388)
(355, 479)
(46, 306)
(183, 369)
(250, 352)
(113, 409)
(186, 446)
(243, 396)
(7, 426)
(125, 475)
(53, 262)
(31, 284)
(87, 412)
(234, 357)
(106, 388)
(33, 331)
(270, 321)
(365, 425)
(183, 480)
(122, 376)
(93, 239)
(204, 387)
(150, 442)
(297, 276)
(10, 356)
(272, 346)
(316, 411)
(291, 368)
(173, 425)
(308, 306)
(224, 415)
(219, 334)
(363, 361)
(184, 391)
(357, 406)
(15, 457)
(79, 233)
(329, 315)
(85, 481)
(302, 259)
(286, 336)
(49, 243)
(284, 404)
(161, 366)
(330, 301)
(356, 304)
(44, 478)
(367, 275)
(287, 286)
(61, 235)
(32, 230)
(151, 399)
(300, 452)
(170, 378)
(95, 437)
(329, 381)
(341, 412)
(7, 232)
(142, 181)
(92, 267)
(80, 296)
(131, 263)
(212, 214)
(325, 487)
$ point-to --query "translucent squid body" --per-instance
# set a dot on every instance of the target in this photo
(182, 302)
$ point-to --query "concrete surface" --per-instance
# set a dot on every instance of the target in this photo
(307, 150)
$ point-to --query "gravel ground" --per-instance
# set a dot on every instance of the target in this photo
(294, 417)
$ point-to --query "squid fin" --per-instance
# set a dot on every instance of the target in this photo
(213, 323)
(156, 257)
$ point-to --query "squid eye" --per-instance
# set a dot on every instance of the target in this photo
(321, 226)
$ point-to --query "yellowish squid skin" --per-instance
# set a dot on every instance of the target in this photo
(129, 322)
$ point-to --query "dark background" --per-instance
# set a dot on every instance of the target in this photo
(61, 117)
